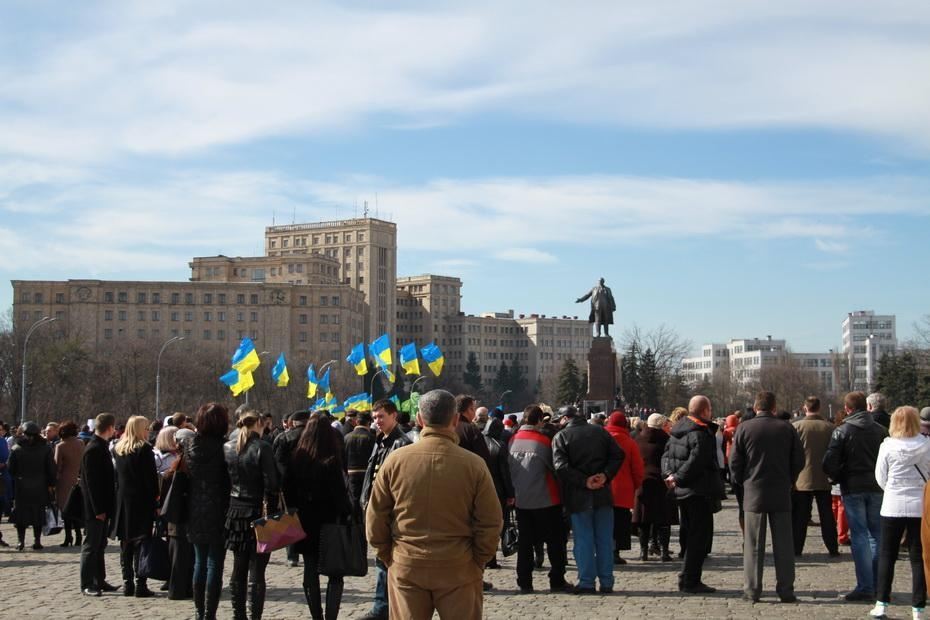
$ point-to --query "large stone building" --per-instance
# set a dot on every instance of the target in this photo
(366, 251)
(319, 289)
(308, 322)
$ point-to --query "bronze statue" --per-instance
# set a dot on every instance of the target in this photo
(602, 307)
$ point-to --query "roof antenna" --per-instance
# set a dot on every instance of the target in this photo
(272, 217)
(294, 220)
(376, 204)
(365, 211)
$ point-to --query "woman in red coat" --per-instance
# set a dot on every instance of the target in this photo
(624, 485)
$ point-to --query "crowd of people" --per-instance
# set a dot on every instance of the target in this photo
(438, 493)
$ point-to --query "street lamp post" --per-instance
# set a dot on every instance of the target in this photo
(44, 320)
(506, 392)
(415, 383)
(158, 375)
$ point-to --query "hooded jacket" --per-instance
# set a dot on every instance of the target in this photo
(630, 477)
(852, 454)
(902, 470)
(532, 471)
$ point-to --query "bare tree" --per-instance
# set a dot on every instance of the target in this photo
(668, 347)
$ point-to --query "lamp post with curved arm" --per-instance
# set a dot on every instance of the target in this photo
(506, 392)
(158, 375)
(417, 381)
(43, 321)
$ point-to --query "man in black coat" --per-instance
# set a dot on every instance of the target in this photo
(470, 436)
(98, 486)
(359, 444)
(586, 458)
(766, 459)
(283, 448)
(689, 465)
(875, 404)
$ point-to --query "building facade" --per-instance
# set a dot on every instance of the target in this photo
(866, 338)
(366, 251)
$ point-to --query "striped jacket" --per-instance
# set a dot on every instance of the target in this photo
(532, 471)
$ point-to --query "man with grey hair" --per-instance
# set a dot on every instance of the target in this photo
(875, 404)
(434, 519)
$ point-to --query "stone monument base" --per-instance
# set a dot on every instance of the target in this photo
(602, 370)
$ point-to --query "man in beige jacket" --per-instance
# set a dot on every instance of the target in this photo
(434, 520)
(813, 484)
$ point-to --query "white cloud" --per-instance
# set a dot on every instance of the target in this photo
(831, 247)
(196, 76)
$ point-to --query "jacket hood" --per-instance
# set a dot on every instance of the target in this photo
(494, 428)
(731, 422)
(909, 450)
(860, 419)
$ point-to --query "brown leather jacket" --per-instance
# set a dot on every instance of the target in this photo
(434, 505)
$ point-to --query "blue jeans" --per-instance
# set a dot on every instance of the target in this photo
(208, 563)
(863, 511)
(380, 604)
(593, 531)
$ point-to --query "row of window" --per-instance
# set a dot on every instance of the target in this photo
(301, 241)
(38, 297)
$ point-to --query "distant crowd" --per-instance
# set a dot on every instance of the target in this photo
(438, 496)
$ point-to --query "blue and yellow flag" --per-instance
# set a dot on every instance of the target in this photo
(245, 359)
(409, 360)
(324, 385)
(312, 382)
(380, 349)
(332, 405)
(433, 357)
(357, 359)
(237, 381)
(359, 402)
(279, 372)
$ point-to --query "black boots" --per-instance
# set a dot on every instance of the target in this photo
(142, 589)
(238, 595)
(78, 539)
(256, 600)
(200, 592)
(69, 541)
(212, 601)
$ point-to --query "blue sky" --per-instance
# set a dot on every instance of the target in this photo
(730, 172)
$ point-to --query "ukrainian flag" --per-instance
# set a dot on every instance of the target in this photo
(380, 349)
(357, 359)
(324, 385)
(312, 382)
(409, 360)
(434, 358)
(245, 359)
(237, 381)
(332, 405)
(359, 402)
(279, 372)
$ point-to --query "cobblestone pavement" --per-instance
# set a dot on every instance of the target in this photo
(45, 585)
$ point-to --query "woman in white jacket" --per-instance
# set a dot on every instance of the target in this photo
(902, 469)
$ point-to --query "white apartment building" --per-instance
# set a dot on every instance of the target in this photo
(866, 338)
(697, 369)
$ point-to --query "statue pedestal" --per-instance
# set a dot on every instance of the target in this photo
(602, 370)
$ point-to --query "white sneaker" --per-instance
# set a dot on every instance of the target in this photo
(917, 613)
(879, 610)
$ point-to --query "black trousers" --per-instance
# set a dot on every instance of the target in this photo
(537, 526)
(888, 547)
(93, 569)
(181, 552)
(697, 519)
(623, 523)
(801, 504)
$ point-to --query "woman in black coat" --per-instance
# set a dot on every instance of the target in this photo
(253, 475)
(655, 510)
(136, 500)
(207, 502)
(500, 471)
(32, 467)
(321, 496)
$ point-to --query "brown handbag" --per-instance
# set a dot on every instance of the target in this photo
(276, 531)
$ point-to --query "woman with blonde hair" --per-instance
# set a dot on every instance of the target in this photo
(901, 470)
(136, 500)
(254, 478)
(166, 449)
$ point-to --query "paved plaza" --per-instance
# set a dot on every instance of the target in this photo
(45, 585)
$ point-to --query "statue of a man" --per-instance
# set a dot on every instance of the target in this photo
(602, 307)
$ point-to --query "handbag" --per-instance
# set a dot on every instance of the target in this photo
(154, 561)
(510, 536)
(279, 530)
(53, 521)
(173, 507)
(73, 510)
(343, 549)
